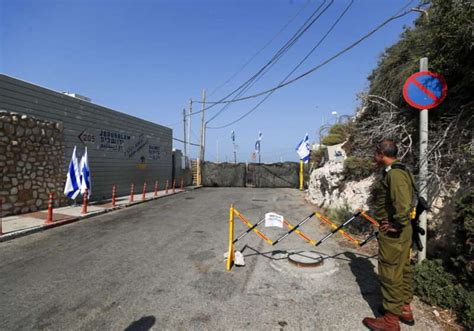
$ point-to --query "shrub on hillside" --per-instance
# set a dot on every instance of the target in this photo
(356, 168)
(435, 286)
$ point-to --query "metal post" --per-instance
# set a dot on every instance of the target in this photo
(167, 184)
(423, 173)
(203, 125)
(189, 128)
(155, 194)
(184, 140)
(301, 174)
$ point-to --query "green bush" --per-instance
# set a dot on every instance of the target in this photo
(333, 139)
(356, 168)
(340, 214)
(464, 223)
(435, 286)
(338, 133)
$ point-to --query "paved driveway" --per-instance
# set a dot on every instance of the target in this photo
(160, 265)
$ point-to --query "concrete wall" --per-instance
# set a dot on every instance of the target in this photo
(31, 163)
(254, 175)
(122, 148)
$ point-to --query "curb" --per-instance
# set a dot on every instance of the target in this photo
(40, 228)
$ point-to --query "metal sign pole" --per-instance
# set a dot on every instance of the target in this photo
(423, 171)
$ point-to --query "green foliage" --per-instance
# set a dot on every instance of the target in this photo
(317, 156)
(332, 139)
(435, 286)
(463, 262)
(356, 168)
(340, 214)
(338, 133)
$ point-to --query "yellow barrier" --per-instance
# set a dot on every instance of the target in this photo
(334, 226)
(250, 225)
(230, 252)
(300, 233)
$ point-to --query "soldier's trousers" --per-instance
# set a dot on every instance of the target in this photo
(395, 272)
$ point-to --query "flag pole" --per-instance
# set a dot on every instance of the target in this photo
(301, 175)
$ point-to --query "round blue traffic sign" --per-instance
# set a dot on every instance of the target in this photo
(425, 90)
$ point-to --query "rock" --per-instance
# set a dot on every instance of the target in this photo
(6, 206)
(24, 117)
(14, 143)
(13, 198)
(327, 188)
(28, 184)
(20, 131)
(13, 190)
(14, 181)
(25, 210)
(9, 129)
(39, 202)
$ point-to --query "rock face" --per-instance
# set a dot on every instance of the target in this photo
(327, 188)
(31, 161)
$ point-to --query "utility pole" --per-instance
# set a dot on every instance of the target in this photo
(423, 173)
(184, 140)
(189, 127)
(203, 125)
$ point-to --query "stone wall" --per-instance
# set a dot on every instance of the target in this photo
(32, 162)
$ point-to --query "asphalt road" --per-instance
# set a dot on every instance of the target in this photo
(160, 265)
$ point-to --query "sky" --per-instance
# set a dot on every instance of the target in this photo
(149, 58)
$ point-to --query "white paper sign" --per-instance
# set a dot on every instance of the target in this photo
(273, 219)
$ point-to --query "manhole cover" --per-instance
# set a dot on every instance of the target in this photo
(306, 259)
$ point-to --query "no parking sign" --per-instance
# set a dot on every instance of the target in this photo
(425, 90)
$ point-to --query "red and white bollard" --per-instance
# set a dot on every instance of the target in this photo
(84, 202)
(49, 217)
(166, 186)
(182, 183)
(114, 192)
(174, 185)
(144, 192)
(132, 188)
(155, 194)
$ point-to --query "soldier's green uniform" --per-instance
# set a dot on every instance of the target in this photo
(393, 202)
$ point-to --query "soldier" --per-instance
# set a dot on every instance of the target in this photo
(393, 204)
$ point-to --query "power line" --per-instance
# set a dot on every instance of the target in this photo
(261, 49)
(295, 68)
(250, 84)
(182, 141)
(354, 44)
(306, 25)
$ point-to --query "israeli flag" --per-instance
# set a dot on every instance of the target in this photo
(257, 143)
(303, 149)
(85, 175)
(73, 181)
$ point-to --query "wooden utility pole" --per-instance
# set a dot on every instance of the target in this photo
(423, 173)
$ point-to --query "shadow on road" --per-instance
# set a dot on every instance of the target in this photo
(367, 279)
(143, 324)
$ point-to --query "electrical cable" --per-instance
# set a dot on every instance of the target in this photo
(182, 141)
(295, 68)
(306, 25)
(261, 49)
(244, 90)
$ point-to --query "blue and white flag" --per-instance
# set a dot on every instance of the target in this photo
(73, 181)
(303, 149)
(232, 135)
(85, 175)
(257, 143)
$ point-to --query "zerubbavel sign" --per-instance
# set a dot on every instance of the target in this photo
(425, 90)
